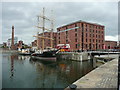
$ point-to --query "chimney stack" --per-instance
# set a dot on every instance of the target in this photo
(12, 42)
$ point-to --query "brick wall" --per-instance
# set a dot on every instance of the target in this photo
(86, 36)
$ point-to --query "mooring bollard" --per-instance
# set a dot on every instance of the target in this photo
(73, 86)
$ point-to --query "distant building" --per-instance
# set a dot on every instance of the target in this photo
(34, 43)
(1, 45)
(81, 35)
(110, 44)
(10, 40)
(47, 42)
(4, 44)
(119, 45)
(20, 44)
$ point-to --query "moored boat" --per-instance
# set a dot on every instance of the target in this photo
(25, 52)
(48, 59)
(49, 55)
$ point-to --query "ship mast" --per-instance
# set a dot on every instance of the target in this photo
(43, 30)
(52, 28)
(38, 34)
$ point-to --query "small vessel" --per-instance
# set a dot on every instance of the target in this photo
(25, 52)
(48, 59)
(45, 55)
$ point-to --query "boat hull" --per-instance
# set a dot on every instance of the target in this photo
(49, 59)
(24, 54)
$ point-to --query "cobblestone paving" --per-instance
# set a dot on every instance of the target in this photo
(105, 76)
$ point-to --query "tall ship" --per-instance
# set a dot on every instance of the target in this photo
(44, 52)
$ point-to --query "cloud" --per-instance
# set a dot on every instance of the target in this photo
(23, 16)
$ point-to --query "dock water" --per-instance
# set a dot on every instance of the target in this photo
(105, 76)
(76, 56)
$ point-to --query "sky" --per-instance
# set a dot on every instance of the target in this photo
(23, 15)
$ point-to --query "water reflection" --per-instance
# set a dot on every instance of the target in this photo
(30, 73)
(62, 71)
(12, 66)
(13, 58)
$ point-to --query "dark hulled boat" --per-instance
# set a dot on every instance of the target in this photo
(46, 55)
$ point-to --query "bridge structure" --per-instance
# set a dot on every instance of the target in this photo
(93, 53)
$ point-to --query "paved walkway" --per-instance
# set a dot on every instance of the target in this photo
(105, 76)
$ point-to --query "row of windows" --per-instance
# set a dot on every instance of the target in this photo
(91, 40)
(87, 26)
(100, 32)
(90, 35)
(93, 26)
(93, 35)
(92, 30)
(88, 46)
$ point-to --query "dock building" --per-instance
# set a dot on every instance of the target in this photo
(47, 42)
(110, 44)
(81, 35)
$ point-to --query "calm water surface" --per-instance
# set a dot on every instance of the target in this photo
(23, 72)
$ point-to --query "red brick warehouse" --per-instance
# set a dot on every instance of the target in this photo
(47, 42)
(81, 35)
(110, 44)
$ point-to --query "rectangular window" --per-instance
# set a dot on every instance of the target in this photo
(75, 34)
(75, 30)
(90, 26)
(90, 40)
(76, 40)
(86, 34)
(76, 45)
(66, 41)
(90, 30)
(76, 25)
(66, 32)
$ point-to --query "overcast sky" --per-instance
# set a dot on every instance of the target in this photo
(23, 16)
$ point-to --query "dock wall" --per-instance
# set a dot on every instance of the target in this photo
(73, 56)
(105, 76)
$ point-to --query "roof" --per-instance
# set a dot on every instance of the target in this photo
(83, 22)
(109, 41)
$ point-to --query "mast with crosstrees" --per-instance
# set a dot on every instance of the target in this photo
(43, 37)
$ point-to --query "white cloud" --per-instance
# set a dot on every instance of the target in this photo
(23, 16)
